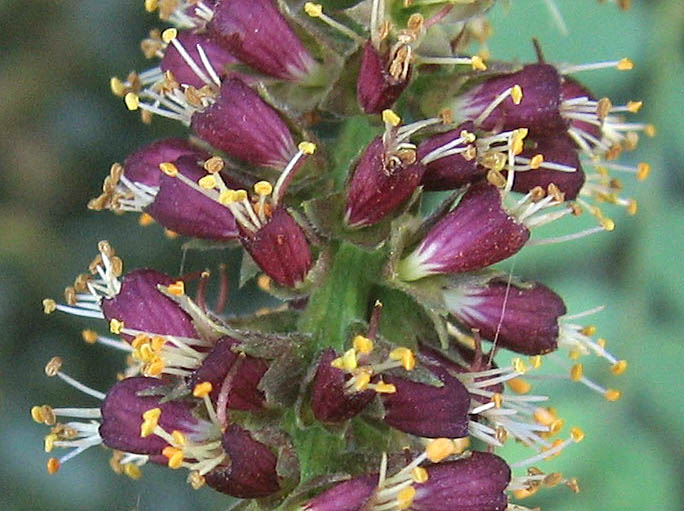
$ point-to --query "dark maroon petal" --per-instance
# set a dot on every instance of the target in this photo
(530, 320)
(141, 306)
(329, 401)
(352, 495)
(256, 33)
(142, 166)
(243, 394)
(559, 149)
(425, 410)
(245, 127)
(280, 248)
(449, 172)
(539, 110)
(374, 191)
(188, 212)
(477, 233)
(572, 89)
(218, 56)
(122, 412)
(476, 483)
(376, 88)
(251, 472)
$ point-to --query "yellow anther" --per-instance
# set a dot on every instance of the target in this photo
(150, 421)
(227, 197)
(207, 182)
(361, 381)
(52, 466)
(157, 343)
(145, 219)
(439, 449)
(177, 288)
(338, 363)
(202, 389)
(461, 444)
(650, 130)
(544, 416)
(240, 195)
(132, 101)
(49, 442)
(577, 372)
(553, 479)
(349, 360)
(589, 330)
(516, 94)
(405, 497)
(519, 365)
(467, 136)
(196, 480)
(523, 493)
(477, 63)
(391, 118)
(115, 326)
(497, 399)
(168, 168)
(419, 475)
(175, 457)
(519, 386)
(263, 188)
(53, 366)
(536, 161)
(619, 367)
(632, 207)
(49, 306)
(625, 65)
(89, 336)
(155, 368)
(555, 443)
(37, 414)
(264, 282)
(116, 86)
(362, 344)
(643, 170)
(556, 426)
(151, 5)
(408, 359)
(169, 35)
(612, 394)
(384, 388)
(313, 10)
(152, 414)
(601, 342)
(536, 361)
(634, 106)
(307, 147)
(179, 438)
(132, 470)
(139, 340)
(577, 434)
(517, 140)
(607, 224)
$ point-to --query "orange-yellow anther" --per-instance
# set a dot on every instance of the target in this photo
(523, 493)
(117, 87)
(49, 306)
(477, 63)
(556, 443)
(612, 394)
(168, 168)
(634, 106)
(544, 416)
(405, 497)
(145, 219)
(307, 147)
(517, 140)
(439, 449)
(589, 330)
(643, 170)
(361, 381)
(115, 326)
(632, 207)
(625, 65)
(155, 367)
(132, 101)
(516, 94)
(263, 188)
(52, 466)
(177, 288)
(179, 439)
(207, 182)
(150, 421)
(419, 475)
(362, 344)
(577, 434)
(556, 426)
(619, 367)
(577, 372)
(497, 399)
(132, 470)
(384, 388)
(406, 356)
(49, 442)
(519, 365)
(169, 35)
(202, 389)
(519, 386)
(89, 336)
(391, 118)
(461, 444)
(151, 5)
(175, 457)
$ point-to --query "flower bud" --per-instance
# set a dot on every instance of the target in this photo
(330, 401)
(251, 469)
(243, 125)
(142, 166)
(257, 34)
(280, 248)
(219, 364)
(380, 183)
(528, 323)
(122, 416)
(187, 211)
(477, 233)
(141, 306)
(376, 88)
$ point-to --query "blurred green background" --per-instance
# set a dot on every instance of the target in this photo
(62, 129)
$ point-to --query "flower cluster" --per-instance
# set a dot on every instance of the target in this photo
(374, 385)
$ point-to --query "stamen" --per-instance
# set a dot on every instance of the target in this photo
(623, 64)
(316, 11)
(52, 368)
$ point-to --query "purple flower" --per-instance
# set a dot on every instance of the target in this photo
(529, 322)
(477, 233)
(250, 471)
(376, 88)
(142, 166)
(381, 182)
(139, 305)
(122, 416)
(243, 125)
(188, 211)
(257, 34)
